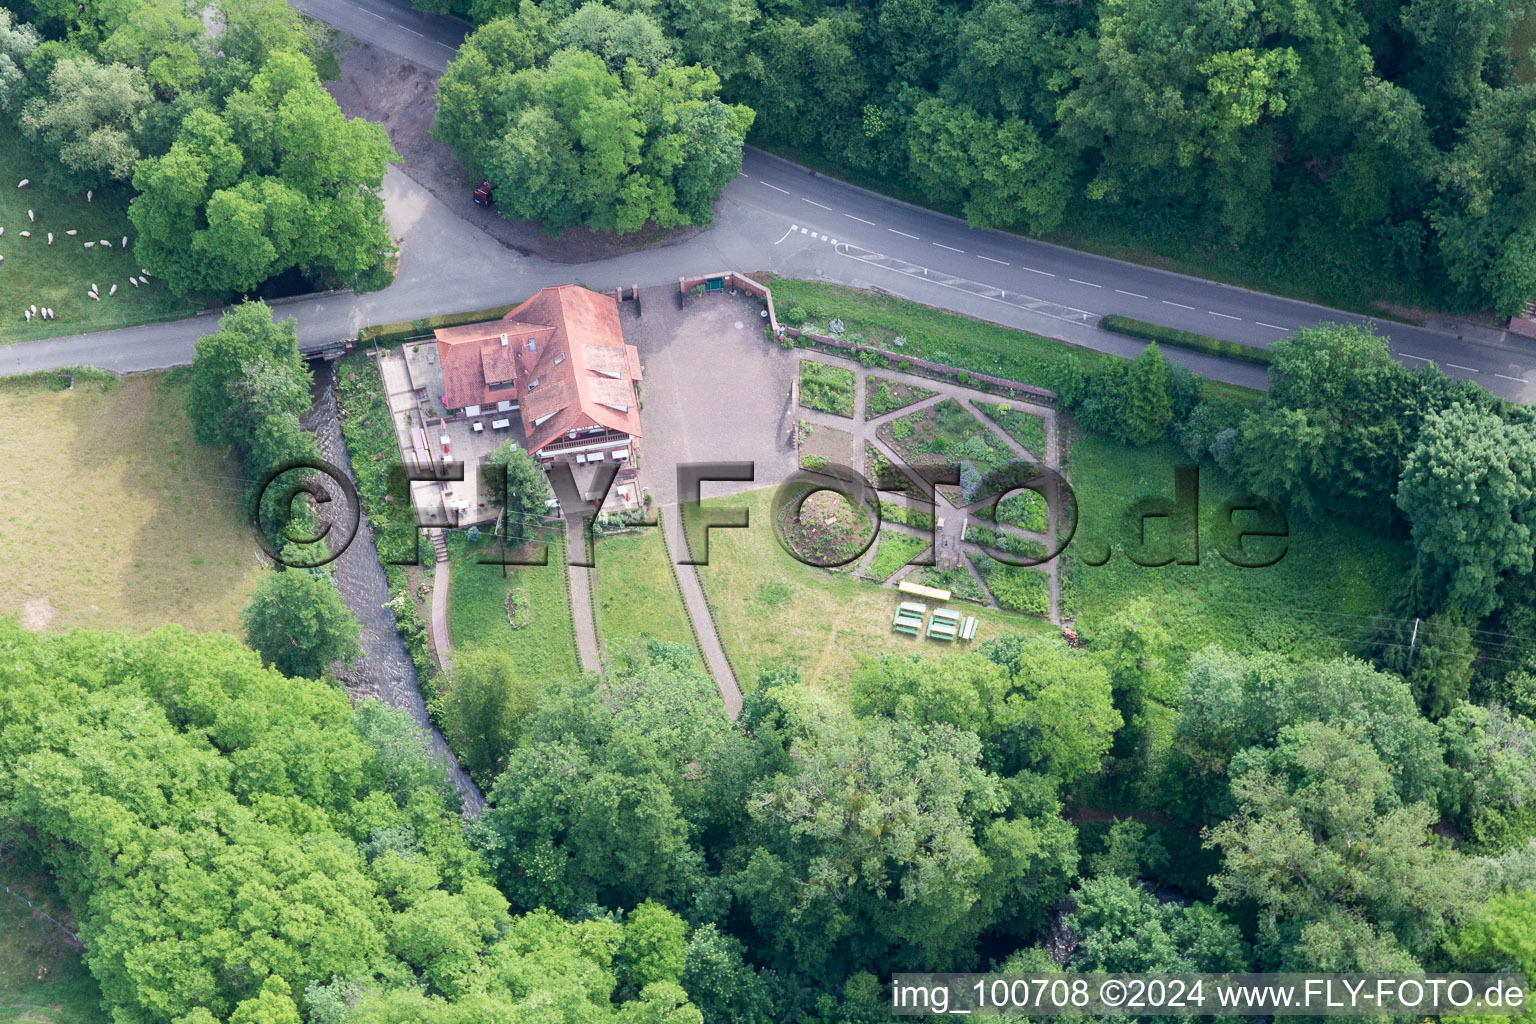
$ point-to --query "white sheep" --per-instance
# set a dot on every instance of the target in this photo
(106, 244)
(143, 271)
(93, 286)
(31, 216)
(89, 244)
(26, 234)
(95, 296)
(112, 292)
(72, 232)
(2, 231)
(88, 194)
(125, 241)
(33, 309)
(28, 314)
(47, 312)
(24, 182)
(133, 281)
(50, 238)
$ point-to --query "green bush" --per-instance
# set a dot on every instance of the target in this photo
(795, 316)
(1186, 339)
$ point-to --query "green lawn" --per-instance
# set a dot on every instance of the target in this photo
(545, 649)
(116, 517)
(42, 977)
(59, 275)
(634, 593)
(771, 609)
(827, 388)
(1338, 568)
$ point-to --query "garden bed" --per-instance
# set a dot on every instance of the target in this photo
(894, 552)
(829, 389)
(946, 434)
(883, 395)
(1027, 428)
(1015, 587)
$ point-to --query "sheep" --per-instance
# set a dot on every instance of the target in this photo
(89, 244)
(106, 244)
(125, 241)
(31, 216)
(88, 194)
(26, 234)
(133, 281)
(112, 292)
(95, 296)
(93, 286)
(143, 271)
(49, 311)
(28, 314)
(50, 238)
(72, 232)
(2, 231)
(33, 309)
(24, 182)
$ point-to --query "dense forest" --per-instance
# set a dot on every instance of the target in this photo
(1353, 149)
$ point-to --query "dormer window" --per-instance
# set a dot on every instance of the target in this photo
(559, 359)
(533, 346)
(533, 384)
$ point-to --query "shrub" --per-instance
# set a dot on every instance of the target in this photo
(795, 316)
(962, 376)
(1186, 339)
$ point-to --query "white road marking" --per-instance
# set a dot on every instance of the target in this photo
(1042, 273)
(775, 187)
(1273, 327)
(834, 241)
(1517, 380)
(822, 237)
(951, 248)
(1090, 284)
(413, 32)
(450, 49)
(805, 231)
(861, 220)
(1469, 369)
(785, 235)
(1410, 355)
(367, 11)
(814, 203)
(989, 259)
(903, 234)
(1227, 316)
(1179, 304)
(1134, 295)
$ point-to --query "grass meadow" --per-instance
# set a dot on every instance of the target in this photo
(544, 650)
(59, 275)
(634, 593)
(43, 979)
(771, 609)
(113, 515)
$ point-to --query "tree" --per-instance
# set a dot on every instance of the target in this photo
(523, 495)
(1469, 489)
(721, 983)
(1125, 929)
(90, 118)
(17, 42)
(577, 141)
(483, 708)
(1149, 411)
(225, 405)
(166, 40)
(298, 624)
(1492, 758)
(1320, 831)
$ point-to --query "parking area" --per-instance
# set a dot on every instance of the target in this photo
(716, 390)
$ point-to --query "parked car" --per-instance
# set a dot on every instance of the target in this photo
(483, 193)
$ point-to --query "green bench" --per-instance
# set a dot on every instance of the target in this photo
(968, 628)
(939, 631)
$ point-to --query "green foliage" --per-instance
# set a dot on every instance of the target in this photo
(895, 551)
(1124, 928)
(1017, 588)
(827, 388)
(1026, 428)
(1186, 339)
(1492, 757)
(91, 118)
(571, 140)
(277, 178)
(524, 500)
(298, 624)
(483, 708)
(1469, 490)
(885, 396)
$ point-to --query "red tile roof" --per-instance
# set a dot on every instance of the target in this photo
(578, 372)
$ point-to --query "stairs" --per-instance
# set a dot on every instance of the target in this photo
(439, 545)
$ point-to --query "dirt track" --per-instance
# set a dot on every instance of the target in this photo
(403, 97)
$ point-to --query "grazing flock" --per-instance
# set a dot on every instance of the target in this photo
(46, 312)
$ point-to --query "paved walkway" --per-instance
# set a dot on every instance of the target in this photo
(442, 584)
(698, 610)
(582, 616)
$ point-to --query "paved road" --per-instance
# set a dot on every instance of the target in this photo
(781, 217)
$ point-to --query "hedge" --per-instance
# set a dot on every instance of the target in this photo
(1186, 339)
(386, 335)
